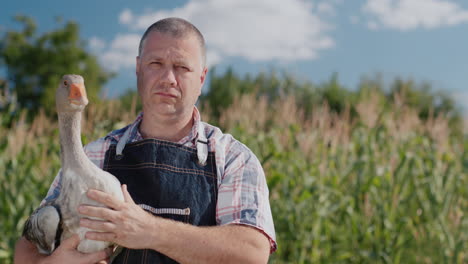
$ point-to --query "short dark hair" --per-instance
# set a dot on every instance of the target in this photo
(177, 28)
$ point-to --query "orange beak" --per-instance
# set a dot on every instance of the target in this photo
(77, 91)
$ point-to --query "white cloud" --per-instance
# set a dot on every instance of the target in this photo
(126, 17)
(121, 52)
(212, 58)
(372, 25)
(407, 15)
(326, 8)
(260, 30)
(96, 44)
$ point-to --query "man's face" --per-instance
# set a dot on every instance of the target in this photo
(170, 75)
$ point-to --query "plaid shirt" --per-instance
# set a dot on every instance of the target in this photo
(242, 189)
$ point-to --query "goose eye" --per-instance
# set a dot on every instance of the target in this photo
(65, 83)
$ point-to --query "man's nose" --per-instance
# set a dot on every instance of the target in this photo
(168, 76)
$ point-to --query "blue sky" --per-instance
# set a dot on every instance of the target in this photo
(426, 40)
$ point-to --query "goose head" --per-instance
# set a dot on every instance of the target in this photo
(71, 94)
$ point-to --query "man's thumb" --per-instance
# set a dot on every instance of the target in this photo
(71, 242)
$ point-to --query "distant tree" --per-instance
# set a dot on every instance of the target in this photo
(4, 93)
(336, 95)
(421, 96)
(428, 102)
(223, 88)
(221, 91)
(130, 99)
(34, 64)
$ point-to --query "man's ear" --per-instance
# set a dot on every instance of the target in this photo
(203, 76)
(137, 61)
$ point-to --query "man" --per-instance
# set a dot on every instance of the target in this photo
(195, 195)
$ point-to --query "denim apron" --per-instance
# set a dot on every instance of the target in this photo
(168, 180)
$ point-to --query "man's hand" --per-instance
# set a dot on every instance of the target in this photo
(126, 223)
(67, 253)
(26, 252)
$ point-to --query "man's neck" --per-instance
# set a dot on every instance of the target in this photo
(154, 126)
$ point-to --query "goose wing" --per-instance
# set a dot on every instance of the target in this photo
(43, 228)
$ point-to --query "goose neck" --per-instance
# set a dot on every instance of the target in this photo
(72, 153)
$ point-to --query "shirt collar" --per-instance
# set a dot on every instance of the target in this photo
(136, 136)
(193, 135)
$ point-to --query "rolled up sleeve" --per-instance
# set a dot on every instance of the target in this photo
(243, 196)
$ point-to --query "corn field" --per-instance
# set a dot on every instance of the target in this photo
(385, 187)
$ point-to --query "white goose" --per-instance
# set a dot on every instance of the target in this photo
(79, 174)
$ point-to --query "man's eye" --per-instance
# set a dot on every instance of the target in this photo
(181, 67)
(155, 63)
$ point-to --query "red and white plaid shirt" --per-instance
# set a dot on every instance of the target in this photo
(242, 189)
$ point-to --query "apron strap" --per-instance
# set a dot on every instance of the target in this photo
(121, 144)
(202, 145)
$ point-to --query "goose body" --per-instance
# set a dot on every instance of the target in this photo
(59, 219)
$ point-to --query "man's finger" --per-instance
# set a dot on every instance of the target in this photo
(99, 212)
(104, 198)
(126, 194)
(105, 226)
(71, 242)
(101, 236)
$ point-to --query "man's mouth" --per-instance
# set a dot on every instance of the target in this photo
(163, 94)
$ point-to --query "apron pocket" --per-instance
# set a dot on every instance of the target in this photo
(177, 214)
